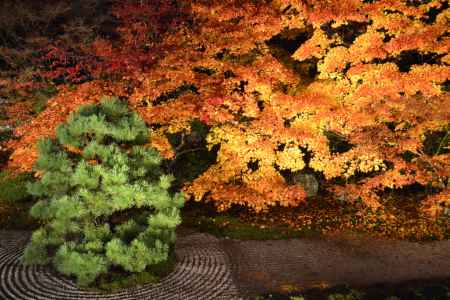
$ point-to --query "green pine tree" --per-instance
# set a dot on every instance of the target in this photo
(103, 199)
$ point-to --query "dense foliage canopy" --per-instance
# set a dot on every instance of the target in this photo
(354, 91)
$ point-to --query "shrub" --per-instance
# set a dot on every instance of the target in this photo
(13, 187)
(104, 200)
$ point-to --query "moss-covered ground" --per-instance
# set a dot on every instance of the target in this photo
(438, 289)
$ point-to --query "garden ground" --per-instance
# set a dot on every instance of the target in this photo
(261, 256)
(210, 267)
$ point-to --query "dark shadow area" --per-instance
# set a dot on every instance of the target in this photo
(337, 142)
(416, 3)
(437, 142)
(284, 44)
(173, 94)
(192, 156)
(348, 32)
(414, 57)
(431, 15)
(203, 70)
(408, 58)
(291, 39)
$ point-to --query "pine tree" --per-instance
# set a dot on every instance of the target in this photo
(103, 199)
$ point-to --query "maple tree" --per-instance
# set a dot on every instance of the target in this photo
(372, 75)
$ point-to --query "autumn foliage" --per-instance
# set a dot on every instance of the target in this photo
(283, 85)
